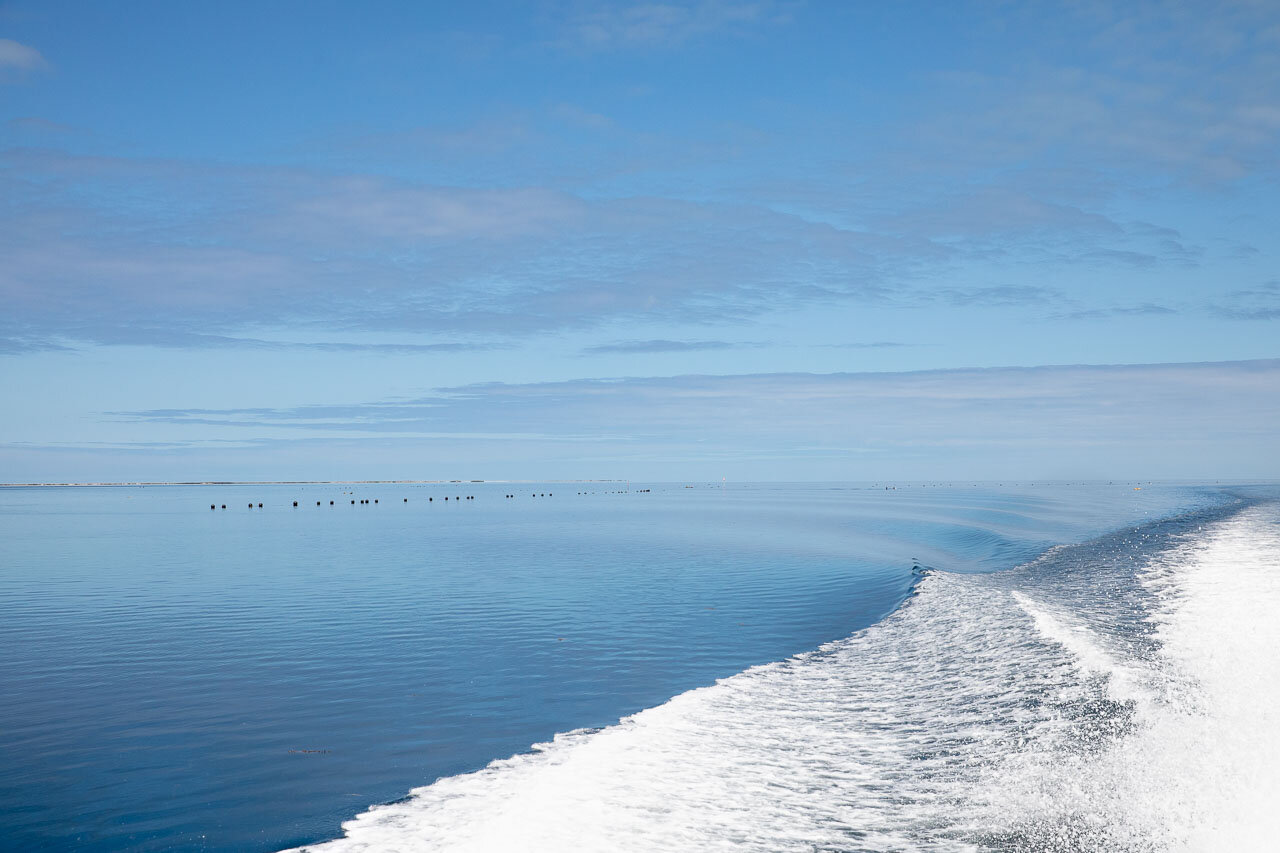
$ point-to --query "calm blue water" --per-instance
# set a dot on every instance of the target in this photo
(176, 678)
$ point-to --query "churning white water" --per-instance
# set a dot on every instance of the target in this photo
(988, 714)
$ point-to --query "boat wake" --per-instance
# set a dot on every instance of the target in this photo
(1121, 695)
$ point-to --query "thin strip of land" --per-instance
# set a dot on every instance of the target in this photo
(291, 482)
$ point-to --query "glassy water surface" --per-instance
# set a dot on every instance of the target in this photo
(181, 678)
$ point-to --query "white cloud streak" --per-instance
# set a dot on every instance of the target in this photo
(98, 249)
(15, 55)
(602, 26)
(1211, 419)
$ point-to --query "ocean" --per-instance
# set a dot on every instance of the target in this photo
(623, 666)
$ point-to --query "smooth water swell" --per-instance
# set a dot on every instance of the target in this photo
(994, 712)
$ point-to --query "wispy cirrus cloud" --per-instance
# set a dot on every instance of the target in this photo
(602, 26)
(871, 345)
(252, 249)
(1147, 309)
(631, 406)
(107, 250)
(659, 345)
(999, 296)
(39, 125)
(15, 56)
(1087, 418)
(558, 216)
(1255, 303)
(1145, 87)
(19, 344)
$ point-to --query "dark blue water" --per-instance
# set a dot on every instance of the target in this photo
(247, 679)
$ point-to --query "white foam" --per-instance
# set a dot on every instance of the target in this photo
(975, 717)
(1219, 626)
(1199, 767)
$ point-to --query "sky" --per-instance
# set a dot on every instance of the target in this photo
(757, 240)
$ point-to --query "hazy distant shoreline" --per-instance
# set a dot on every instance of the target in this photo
(292, 483)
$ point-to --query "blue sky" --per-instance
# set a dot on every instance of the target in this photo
(761, 240)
